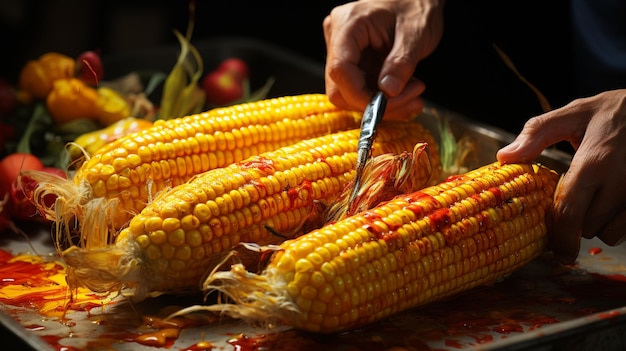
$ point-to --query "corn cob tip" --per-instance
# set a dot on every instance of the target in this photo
(258, 299)
(102, 270)
(66, 203)
(121, 267)
(49, 185)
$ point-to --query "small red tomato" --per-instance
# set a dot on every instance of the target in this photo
(11, 165)
(89, 67)
(18, 205)
(235, 66)
(22, 204)
(222, 87)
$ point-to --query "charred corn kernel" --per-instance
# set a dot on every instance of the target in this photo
(236, 204)
(120, 178)
(381, 265)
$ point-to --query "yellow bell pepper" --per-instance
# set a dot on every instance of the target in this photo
(37, 76)
(71, 99)
(92, 141)
(112, 107)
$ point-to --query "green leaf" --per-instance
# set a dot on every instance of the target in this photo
(448, 147)
(39, 122)
(154, 82)
(263, 91)
(179, 91)
(256, 95)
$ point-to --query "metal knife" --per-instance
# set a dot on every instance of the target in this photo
(371, 118)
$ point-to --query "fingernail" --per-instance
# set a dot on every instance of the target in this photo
(390, 85)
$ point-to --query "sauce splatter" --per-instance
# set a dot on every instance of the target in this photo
(39, 282)
(595, 251)
(514, 306)
(261, 163)
(54, 340)
(200, 346)
(244, 342)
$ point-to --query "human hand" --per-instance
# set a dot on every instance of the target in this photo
(590, 199)
(376, 44)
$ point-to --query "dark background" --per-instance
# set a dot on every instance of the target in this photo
(465, 74)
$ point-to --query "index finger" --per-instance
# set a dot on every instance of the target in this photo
(344, 78)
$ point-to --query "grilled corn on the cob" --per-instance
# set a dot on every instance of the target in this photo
(417, 248)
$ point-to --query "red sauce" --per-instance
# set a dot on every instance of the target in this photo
(264, 164)
(371, 216)
(454, 343)
(456, 178)
(439, 219)
(505, 309)
(29, 281)
(541, 321)
(34, 327)
(616, 277)
(54, 340)
(595, 251)
(160, 338)
(419, 196)
(508, 328)
(296, 193)
(498, 194)
(483, 339)
(333, 170)
(609, 315)
(244, 342)
(200, 346)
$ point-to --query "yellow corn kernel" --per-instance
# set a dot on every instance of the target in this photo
(379, 277)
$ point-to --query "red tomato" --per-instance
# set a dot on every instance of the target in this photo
(89, 67)
(222, 87)
(17, 206)
(11, 165)
(236, 66)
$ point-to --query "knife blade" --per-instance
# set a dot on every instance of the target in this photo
(372, 116)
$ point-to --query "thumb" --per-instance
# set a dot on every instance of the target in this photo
(540, 133)
(528, 145)
(523, 149)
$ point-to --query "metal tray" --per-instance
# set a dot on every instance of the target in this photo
(542, 306)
